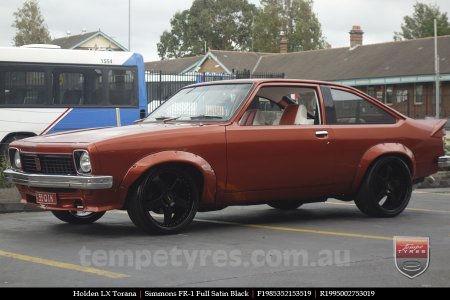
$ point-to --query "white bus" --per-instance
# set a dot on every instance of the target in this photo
(51, 90)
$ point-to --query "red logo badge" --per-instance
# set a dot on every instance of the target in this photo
(37, 162)
(412, 255)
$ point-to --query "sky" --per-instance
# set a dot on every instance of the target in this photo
(379, 19)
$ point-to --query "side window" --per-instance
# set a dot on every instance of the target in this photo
(70, 88)
(23, 88)
(67, 86)
(418, 99)
(86, 86)
(95, 93)
(291, 105)
(121, 87)
(352, 109)
(266, 112)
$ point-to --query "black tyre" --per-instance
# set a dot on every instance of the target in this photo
(165, 202)
(5, 145)
(77, 217)
(387, 188)
(286, 205)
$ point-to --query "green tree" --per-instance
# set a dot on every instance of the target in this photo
(222, 25)
(421, 23)
(295, 18)
(30, 25)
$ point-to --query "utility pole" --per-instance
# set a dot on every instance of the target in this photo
(436, 69)
(129, 25)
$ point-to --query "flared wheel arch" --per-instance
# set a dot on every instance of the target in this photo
(190, 161)
(207, 194)
(376, 153)
(386, 189)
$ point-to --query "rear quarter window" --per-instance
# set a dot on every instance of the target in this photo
(352, 109)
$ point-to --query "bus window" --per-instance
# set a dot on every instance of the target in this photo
(121, 87)
(94, 88)
(53, 90)
(22, 87)
(70, 88)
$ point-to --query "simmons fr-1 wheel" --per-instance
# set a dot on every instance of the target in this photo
(386, 189)
(77, 217)
(165, 202)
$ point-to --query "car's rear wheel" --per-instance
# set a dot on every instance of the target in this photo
(386, 189)
(77, 217)
(286, 205)
(165, 202)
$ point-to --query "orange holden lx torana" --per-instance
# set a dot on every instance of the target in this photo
(236, 142)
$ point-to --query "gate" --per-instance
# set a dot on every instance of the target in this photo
(162, 85)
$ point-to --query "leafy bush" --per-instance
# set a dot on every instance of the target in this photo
(447, 146)
(3, 182)
(447, 152)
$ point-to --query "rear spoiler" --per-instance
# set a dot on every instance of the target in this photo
(438, 126)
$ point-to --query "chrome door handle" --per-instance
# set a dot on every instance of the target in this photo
(322, 133)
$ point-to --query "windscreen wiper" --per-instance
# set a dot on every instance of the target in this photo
(166, 119)
(205, 117)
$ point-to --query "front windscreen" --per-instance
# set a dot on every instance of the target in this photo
(216, 102)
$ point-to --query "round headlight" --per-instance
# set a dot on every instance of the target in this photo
(17, 161)
(85, 163)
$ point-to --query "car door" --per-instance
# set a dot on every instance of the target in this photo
(280, 156)
(358, 124)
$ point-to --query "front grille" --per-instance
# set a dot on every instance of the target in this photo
(48, 164)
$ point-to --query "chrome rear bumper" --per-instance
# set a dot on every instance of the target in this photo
(444, 161)
(59, 181)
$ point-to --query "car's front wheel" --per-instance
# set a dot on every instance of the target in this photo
(77, 217)
(165, 202)
(386, 189)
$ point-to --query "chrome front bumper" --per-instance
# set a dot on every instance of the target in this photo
(59, 181)
(444, 161)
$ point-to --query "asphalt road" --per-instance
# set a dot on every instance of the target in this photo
(329, 244)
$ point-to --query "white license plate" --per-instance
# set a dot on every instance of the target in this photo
(46, 198)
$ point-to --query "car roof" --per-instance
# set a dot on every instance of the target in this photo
(265, 80)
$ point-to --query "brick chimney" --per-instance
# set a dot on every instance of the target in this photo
(283, 43)
(356, 36)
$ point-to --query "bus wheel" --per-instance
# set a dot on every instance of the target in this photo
(5, 145)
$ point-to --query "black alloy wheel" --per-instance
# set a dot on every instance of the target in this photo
(387, 188)
(78, 217)
(165, 202)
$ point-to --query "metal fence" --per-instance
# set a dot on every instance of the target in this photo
(162, 85)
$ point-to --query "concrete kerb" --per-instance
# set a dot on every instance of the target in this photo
(10, 201)
(439, 180)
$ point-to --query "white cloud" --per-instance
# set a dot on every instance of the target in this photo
(149, 18)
